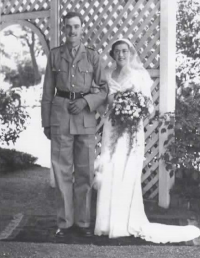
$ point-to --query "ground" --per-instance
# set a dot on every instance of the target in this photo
(29, 192)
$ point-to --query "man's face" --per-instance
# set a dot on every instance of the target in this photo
(73, 30)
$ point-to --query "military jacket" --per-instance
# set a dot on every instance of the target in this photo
(73, 75)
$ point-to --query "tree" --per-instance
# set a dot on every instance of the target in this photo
(2, 51)
(184, 152)
(188, 28)
(29, 68)
(24, 75)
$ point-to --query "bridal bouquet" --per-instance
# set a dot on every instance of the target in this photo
(128, 108)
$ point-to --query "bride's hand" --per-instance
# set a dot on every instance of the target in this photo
(97, 180)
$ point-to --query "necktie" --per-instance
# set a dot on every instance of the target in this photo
(73, 52)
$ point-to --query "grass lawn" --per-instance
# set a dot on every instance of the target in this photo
(27, 191)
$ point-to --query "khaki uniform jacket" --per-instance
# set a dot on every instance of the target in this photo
(66, 74)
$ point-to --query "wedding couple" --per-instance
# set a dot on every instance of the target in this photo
(68, 118)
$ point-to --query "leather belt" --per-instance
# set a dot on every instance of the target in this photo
(70, 95)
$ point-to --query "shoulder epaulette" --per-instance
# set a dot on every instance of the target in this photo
(54, 48)
(91, 47)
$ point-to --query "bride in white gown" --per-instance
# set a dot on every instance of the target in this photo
(120, 208)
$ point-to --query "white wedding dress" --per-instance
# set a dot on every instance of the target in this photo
(120, 208)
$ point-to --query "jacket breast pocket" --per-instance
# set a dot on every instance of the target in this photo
(90, 120)
(86, 73)
(60, 75)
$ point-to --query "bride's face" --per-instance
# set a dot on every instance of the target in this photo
(121, 54)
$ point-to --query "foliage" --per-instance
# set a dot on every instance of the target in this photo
(182, 151)
(11, 160)
(12, 119)
(27, 38)
(24, 75)
(27, 72)
(187, 190)
(188, 28)
(2, 51)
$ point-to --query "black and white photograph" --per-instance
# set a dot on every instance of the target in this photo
(99, 128)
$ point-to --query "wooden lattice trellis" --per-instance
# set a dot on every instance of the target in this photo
(104, 21)
(21, 6)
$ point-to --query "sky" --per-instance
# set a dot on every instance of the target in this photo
(13, 46)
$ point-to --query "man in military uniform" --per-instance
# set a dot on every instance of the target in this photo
(68, 118)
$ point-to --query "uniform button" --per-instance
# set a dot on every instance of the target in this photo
(73, 66)
(73, 85)
(72, 75)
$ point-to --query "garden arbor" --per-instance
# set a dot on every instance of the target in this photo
(149, 24)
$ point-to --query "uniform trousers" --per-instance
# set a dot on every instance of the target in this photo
(72, 159)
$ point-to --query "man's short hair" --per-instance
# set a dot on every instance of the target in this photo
(70, 15)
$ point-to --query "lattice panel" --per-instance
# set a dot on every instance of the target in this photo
(20, 6)
(25, 6)
(44, 25)
(150, 169)
(106, 20)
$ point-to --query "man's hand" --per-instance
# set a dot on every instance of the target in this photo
(110, 100)
(47, 132)
(76, 106)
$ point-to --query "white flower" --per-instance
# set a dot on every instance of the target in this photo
(142, 104)
(128, 107)
(136, 114)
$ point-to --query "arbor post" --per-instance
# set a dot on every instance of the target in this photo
(54, 42)
(0, 10)
(167, 88)
(55, 23)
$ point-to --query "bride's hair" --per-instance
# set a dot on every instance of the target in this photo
(116, 43)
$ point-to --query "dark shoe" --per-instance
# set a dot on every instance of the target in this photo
(62, 232)
(86, 232)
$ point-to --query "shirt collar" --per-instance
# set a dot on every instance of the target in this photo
(66, 54)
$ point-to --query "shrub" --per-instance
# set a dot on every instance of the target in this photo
(24, 75)
(11, 160)
(12, 119)
(183, 151)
